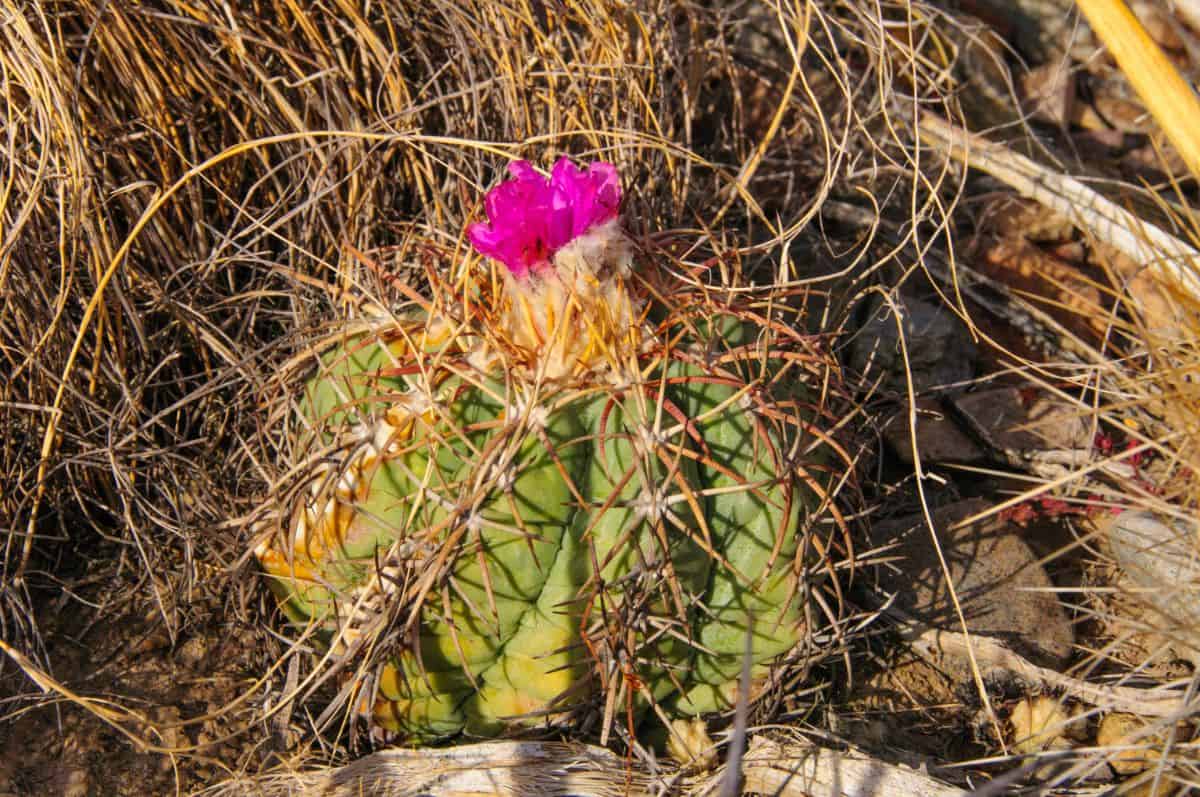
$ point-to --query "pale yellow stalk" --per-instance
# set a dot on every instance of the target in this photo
(1165, 93)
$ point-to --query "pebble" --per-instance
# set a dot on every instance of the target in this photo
(1021, 423)
(938, 437)
(941, 353)
(1040, 723)
(1002, 588)
(1126, 731)
(1163, 560)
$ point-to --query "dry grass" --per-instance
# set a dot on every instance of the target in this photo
(193, 194)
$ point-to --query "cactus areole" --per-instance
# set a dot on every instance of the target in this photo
(564, 493)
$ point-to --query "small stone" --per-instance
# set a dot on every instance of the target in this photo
(941, 353)
(192, 652)
(1127, 731)
(1149, 788)
(1049, 92)
(1163, 560)
(1039, 723)
(1001, 586)
(75, 781)
(1023, 423)
(688, 743)
(1158, 23)
(938, 437)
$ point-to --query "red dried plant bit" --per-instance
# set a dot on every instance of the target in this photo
(1055, 507)
(1104, 443)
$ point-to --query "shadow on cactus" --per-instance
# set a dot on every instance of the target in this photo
(569, 492)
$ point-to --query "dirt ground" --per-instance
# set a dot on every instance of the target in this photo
(183, 722)
(193, 195)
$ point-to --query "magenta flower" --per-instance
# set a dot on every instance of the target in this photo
(530, 218)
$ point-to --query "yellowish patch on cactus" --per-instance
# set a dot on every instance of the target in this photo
(316, 534)
(502, 703)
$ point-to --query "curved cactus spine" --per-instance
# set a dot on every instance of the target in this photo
(569, 499)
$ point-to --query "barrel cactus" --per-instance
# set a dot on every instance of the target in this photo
(573, 488)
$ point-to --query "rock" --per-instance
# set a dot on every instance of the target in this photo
(938, 437)
(1048, 92)
(688, 743)
(1037, 28)
(192, 652)
(75, 781)
(1039, 723)
(941, 352)
(1164, 561)
(1022, 424)
(1127, 731)
(982, 71)
(1000, 585)
(1131, 746)
(1158, 23)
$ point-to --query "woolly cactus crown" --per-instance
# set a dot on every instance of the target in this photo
(565, 308)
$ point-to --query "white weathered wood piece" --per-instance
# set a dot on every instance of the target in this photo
(552, 769)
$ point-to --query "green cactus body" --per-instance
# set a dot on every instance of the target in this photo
(559, 491)
(547, 545)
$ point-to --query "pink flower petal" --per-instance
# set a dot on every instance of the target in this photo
(594, 195)
(530, 218)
